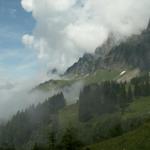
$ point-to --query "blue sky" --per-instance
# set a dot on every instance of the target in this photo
(61, 38)
(15, 59)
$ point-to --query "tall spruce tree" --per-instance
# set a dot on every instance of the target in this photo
(130, 94)
(52, 141)
(70, 140)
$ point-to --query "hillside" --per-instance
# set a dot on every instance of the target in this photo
(135, 52)
(103, 111)
(95, 77)
(138, 139)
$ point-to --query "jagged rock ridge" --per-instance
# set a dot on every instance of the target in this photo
(134, 52)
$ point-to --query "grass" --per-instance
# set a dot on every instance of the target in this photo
(138, 139)
(54, 84)
(129, 141)
(101, 75)
(96, 77)
(69, 116)
(139, 107)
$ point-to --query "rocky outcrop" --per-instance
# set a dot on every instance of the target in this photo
(85, 65)
(134, 52)
(90, 62)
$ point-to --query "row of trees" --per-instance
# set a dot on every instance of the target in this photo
(110, 96)
(141, 85)
(69, 141)
(95, 99)
(24, 124)
(103, 98)
(7, 147)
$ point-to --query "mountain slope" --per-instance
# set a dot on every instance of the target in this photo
(88, 63)
(35, 123)
(138, 139)
(133, 53)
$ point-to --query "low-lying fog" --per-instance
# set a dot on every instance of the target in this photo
(21, 96)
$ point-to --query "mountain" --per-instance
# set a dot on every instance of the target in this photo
(103, 111)
(106, 110)
(85, 65)
(133, 53)
(130, 141)
(89, 62)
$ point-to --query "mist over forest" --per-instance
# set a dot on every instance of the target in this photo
(74, 74)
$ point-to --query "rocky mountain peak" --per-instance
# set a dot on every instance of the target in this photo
(103, 50)
(134, 52)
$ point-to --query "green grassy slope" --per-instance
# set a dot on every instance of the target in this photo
(101, 75)
(140, 108)
(69, 116)
(54, 84)
(95, 77)
(138, 139)
(98, 76)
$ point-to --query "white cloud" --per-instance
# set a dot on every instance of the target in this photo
(66, 29)
(27, 5)
(87, 36)
(60, 5)
(28, 40)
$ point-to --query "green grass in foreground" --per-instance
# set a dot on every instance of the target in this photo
(139, 107)
(69, 116)
(138, 139)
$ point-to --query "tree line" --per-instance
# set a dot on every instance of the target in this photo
(25, 123)
(95, 99)
(109, 96)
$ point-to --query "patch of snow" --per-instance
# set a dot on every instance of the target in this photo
(122, 73)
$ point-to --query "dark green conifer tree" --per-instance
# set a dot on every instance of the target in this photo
(130, 94)
(52, 141)
(70, 140)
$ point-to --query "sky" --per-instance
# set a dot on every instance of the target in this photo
(16, 61)
(66, 29)
(38, 36)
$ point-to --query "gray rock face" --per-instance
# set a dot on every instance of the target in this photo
(83, 66)
(102, 51)
(90, 62)
(135, 52)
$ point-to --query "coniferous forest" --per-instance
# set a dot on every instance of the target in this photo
(42, 120)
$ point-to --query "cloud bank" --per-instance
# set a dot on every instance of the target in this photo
(66, 29)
